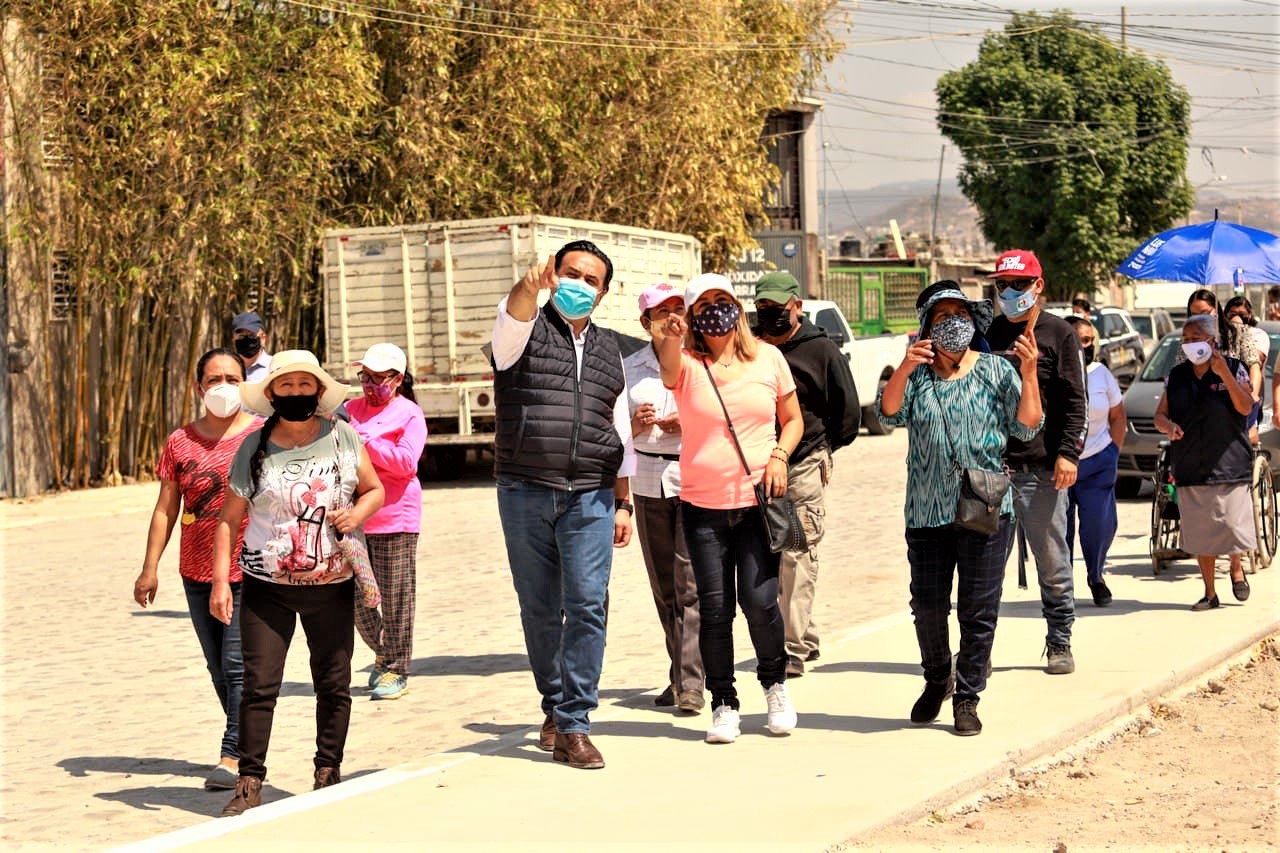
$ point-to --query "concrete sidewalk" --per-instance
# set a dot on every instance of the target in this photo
(854, 763)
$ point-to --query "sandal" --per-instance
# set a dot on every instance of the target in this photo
(1205, 603)
(1240, 589)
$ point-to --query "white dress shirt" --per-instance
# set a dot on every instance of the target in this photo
(655, 477)
(511, 336)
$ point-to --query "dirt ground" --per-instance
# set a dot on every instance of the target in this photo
(1196, 772)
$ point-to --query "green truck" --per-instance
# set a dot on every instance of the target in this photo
(876, 299)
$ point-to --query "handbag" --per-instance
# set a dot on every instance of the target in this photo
(355, 554)
(781, 521)
(981, 492)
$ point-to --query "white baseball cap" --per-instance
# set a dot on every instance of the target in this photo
(703, 283)
(380, 358)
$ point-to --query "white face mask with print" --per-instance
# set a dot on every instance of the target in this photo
(1198, 352)
(222, 401)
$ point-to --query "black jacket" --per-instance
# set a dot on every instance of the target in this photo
(824, 388)
(1063, 392)
(553, 429)
(1214, 447)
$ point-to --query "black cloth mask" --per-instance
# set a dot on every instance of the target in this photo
(248, 346)
(1090, 353)
(774, 320)
(296, 407)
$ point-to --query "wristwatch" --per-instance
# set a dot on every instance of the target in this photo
(619, 503)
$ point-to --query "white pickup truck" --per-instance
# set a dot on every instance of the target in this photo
(872, 358)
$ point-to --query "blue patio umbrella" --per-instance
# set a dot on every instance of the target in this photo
(1209, 253)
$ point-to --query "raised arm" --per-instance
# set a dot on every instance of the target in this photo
(668, 340)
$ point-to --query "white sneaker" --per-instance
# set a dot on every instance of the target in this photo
(782, 717)
(724, 725)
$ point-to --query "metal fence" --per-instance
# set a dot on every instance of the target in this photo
(877, 299)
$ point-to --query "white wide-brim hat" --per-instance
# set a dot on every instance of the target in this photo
(253, 395)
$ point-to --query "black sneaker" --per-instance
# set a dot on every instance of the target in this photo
(926, 709)
(1101, 595)
(967, 722)
(1060, 660)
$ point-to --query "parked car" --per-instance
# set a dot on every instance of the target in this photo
(1120, 345)
(1141, 448)
(1153, 324)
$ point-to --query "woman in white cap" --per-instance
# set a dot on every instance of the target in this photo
(304, 482)
(388, 419)
(723, 370)
(193, 471)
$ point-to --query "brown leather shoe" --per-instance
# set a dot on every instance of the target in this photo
(577, 751)
(248, 795)
(691, 701)
(547, 737)
(326, 776)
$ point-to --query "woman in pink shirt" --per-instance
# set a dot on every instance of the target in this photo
(394, 431)
(727, 542)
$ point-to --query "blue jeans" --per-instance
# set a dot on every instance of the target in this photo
(560, 547)
(937, 555)
(1042, 514)
(221, 646)
(1093, 497)
(732, 561)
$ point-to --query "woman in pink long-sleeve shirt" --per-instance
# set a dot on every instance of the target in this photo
(394, 431)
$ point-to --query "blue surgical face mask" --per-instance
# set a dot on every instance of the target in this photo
(574, 298)
(1015, 303)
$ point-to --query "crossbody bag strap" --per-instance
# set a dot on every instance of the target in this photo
(728, 421)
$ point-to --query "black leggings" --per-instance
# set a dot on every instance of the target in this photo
(268, 616)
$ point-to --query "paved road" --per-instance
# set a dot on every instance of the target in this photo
(110, 722)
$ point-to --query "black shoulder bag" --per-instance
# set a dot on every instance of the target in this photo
(781, 521)
(981, 492)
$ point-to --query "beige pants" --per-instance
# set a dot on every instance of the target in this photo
(798, 575)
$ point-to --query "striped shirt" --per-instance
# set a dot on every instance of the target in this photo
(974, 413)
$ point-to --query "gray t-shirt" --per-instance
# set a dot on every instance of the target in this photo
(288, 540)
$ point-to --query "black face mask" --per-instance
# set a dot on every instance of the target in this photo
(1090, 352)
(775, 321)
(248, 346)
(296, 407)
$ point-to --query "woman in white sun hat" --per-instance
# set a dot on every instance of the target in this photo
(303, 482)
(388, 419)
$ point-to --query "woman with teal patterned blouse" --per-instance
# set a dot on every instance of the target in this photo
(960, 406)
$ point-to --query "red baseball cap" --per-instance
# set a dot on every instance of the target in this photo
(1017, 263)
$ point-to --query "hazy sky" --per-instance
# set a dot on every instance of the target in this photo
(879, 125)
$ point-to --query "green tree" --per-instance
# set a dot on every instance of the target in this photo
(1073, 147)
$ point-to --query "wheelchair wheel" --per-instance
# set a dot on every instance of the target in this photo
(1164, 534)
(1263, 496)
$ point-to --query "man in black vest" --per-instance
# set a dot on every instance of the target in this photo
(829, 403)
(563, 457)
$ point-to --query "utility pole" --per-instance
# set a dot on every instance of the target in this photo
(1124, 27)
(933, 231)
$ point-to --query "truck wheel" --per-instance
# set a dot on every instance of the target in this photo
(442, 463)
(874, 427)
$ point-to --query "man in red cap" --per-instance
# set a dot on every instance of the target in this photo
(1044, 468)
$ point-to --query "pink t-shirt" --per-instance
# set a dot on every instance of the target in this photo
(200, 466)
(711, 473)
(393, 436)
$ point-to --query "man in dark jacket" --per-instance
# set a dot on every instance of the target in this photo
(562, 451)
(829, 403)
(1043, 469)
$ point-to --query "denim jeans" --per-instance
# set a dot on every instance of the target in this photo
(731, 560)
(936, 555)
(221, 646)
(560, 548)
(1093, 498)
(1042, 514)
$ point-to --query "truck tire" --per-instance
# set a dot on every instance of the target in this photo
(869, 419)
(442, 463)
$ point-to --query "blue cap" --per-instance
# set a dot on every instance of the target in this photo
(247, 320)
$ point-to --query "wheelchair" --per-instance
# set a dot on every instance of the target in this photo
(1166, 518)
